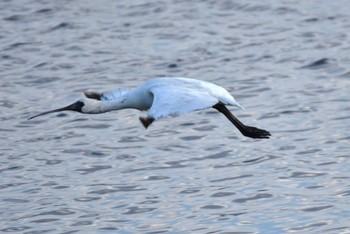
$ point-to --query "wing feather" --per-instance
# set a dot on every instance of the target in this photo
(172, 101)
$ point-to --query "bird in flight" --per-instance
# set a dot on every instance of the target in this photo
(163, 97)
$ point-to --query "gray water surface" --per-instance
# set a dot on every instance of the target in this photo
(286, 62)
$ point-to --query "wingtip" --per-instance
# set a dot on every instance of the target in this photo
(146, 122)
(92, 94)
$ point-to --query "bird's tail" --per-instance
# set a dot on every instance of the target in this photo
(237, 104)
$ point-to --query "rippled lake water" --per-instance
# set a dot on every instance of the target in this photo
(286, 62)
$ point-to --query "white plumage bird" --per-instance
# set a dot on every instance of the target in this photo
(163, 97)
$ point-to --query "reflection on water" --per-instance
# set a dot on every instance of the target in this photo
(286, 63)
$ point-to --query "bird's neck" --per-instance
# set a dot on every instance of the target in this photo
(118, 103)
(131, 99)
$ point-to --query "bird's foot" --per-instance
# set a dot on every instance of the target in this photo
(254, 132)
(146, 121)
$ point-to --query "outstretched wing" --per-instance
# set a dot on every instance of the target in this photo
(172, 101)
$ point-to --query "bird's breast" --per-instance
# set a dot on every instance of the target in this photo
(142, 100)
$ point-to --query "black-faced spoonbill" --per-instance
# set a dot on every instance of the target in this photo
(164, 97)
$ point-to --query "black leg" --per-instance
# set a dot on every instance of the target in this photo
(247, 131)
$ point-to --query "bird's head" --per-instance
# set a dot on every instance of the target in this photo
(84, 105)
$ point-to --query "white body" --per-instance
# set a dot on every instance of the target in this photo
(163, 97)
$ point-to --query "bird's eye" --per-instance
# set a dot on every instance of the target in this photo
(80, 104)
